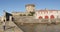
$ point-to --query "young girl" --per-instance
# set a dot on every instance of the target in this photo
(4, 24)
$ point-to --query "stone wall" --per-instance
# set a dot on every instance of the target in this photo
(31, 19)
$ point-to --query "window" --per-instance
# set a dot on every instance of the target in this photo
(52, 17)
(40, 17)
(46, 17)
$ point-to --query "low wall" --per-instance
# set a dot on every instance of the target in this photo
(31, 19)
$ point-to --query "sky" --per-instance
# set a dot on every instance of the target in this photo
(19, 5)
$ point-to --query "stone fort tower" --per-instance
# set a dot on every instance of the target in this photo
(30, 7)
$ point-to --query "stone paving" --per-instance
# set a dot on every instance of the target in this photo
(1, 27)
(10, 27)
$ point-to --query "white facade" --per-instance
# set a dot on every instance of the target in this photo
(43, 13)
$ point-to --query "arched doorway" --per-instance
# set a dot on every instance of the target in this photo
(46, 17)
(52, 17)
(40, 17)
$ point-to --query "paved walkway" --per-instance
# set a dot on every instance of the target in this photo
(1, 27)
(10, 27)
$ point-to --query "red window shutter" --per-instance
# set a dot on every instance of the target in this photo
(46, 17)
(52, 17)
(40, 17)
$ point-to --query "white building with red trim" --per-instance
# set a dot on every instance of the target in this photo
(47, 14)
